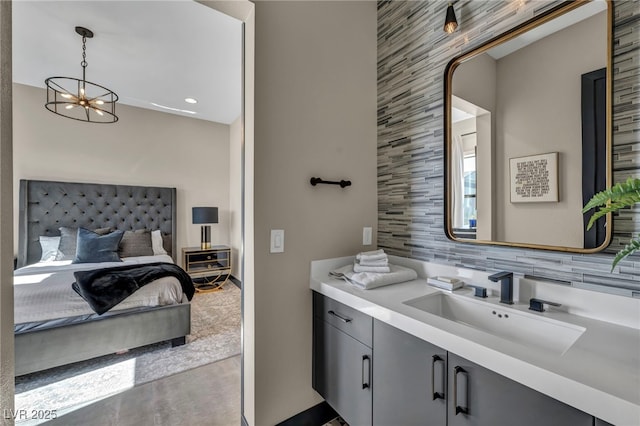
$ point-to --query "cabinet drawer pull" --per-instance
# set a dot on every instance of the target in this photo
(436, 395)
(208, 257)
(459, 409)
(340, 317)
(365, 383)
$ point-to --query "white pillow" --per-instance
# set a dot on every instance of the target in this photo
(156, 243)
(49, 246)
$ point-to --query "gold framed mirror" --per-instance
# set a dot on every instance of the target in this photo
(528, 132)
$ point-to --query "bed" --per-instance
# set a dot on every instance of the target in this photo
(47, 335)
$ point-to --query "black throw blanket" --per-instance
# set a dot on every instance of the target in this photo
(105, 288)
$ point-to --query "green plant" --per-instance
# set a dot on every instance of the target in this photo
(621, 195)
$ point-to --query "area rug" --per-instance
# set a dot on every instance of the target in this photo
(215, 335)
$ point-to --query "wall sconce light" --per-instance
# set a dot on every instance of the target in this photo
(204, 215)
(450, 23)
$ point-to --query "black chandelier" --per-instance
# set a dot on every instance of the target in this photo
(80, 99)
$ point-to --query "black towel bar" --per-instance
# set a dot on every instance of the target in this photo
(343, 183)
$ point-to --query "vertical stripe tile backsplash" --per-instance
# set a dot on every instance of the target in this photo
(413, 51)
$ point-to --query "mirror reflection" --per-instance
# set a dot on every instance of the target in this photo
(527, 133)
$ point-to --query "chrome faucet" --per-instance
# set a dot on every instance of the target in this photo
(506, 286)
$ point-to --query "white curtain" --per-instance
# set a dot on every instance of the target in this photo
(457, 182)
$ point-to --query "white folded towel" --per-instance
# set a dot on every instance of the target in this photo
(381, 262)
(369, 280)
(358, 267)
(372, 261)
(372, 256)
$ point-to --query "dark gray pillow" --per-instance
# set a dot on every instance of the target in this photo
(136, 243)
(95, 248)
(68, 241)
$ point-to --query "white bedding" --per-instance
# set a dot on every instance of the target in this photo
(42, 291)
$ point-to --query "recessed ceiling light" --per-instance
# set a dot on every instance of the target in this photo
(191, 100)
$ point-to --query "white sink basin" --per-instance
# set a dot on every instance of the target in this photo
(511, 324)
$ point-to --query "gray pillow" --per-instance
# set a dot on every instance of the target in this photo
(95, 248)
(136, 243)
(68, 241)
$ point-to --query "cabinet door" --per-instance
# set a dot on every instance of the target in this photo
(409, 375)
(344, 318)
(485, 398)
(342, 373)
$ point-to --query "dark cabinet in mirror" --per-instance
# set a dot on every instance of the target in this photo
(528, 132)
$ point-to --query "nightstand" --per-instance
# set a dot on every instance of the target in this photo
(209, 268)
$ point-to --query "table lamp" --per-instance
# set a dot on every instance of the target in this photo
(205, 215)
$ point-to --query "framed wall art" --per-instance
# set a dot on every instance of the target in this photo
(534, 178)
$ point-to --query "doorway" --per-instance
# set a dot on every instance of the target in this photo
(241, 12)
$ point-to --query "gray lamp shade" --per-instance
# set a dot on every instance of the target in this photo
(204, 215)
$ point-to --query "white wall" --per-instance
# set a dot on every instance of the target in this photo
(143, 148)
(475, 81)
(315, 115)
(235, 196)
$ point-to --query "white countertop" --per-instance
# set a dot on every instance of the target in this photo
(598, 374)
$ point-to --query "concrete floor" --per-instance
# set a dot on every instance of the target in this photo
(207, 395)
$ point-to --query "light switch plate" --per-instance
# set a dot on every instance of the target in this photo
(366, 236)
(277, 241)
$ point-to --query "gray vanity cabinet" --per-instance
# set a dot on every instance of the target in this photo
(342, 359)
(372, 373)
(410, 377)
(480, 397)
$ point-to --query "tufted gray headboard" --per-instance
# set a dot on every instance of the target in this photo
(45, 206)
